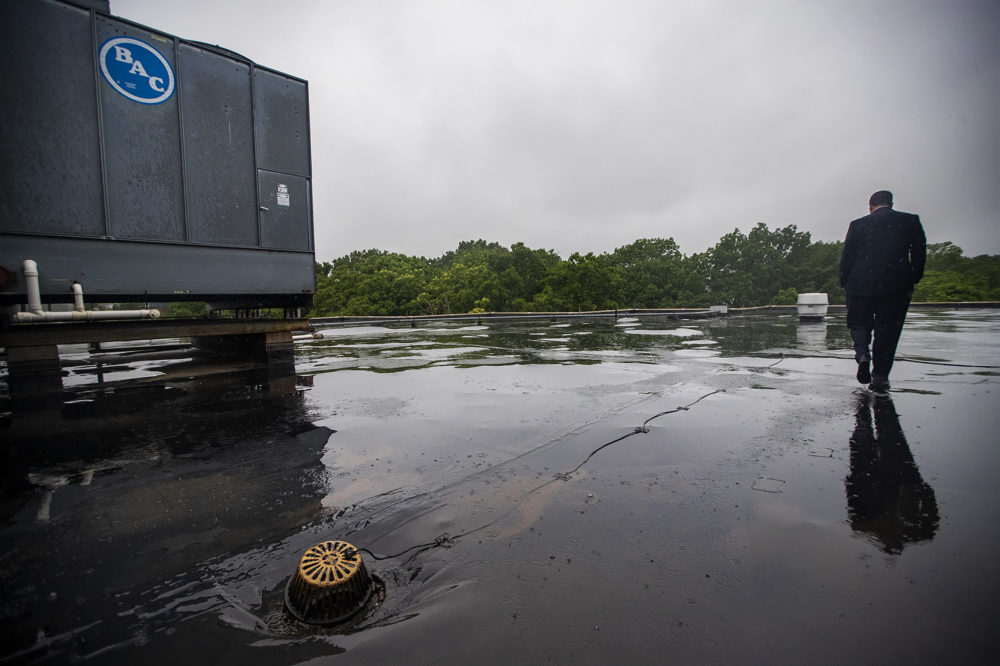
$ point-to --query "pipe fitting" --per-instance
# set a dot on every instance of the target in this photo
(78, 297)
(35, 312)
(30, 268)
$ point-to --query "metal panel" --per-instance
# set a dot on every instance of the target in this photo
(99, 5)
(145, 193)
(112, 271)
(50, 163)
(281, 114)
(286, 211)
(218, 148)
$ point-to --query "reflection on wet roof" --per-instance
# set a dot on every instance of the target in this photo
(740, 480)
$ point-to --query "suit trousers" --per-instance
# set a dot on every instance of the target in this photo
(883, 316)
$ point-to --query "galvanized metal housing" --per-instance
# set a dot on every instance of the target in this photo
(148, 167)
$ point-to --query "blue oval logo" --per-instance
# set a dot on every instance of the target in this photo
(136, 70)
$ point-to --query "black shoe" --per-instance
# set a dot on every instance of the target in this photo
(879, 384)
(864, 375)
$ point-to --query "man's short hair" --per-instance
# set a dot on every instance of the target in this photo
(881, 198)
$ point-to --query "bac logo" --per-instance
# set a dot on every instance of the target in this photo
(136, 70)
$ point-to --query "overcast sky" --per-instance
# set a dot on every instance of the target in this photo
(582, 125)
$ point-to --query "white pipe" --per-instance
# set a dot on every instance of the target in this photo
(78, 297)
(89, 315)
(35, 312)
(31, 284)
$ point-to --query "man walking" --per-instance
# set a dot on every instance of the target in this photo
(883, 258)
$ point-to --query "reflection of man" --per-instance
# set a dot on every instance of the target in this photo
(886, 498)
(883, 258)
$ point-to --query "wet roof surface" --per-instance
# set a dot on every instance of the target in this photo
(587, 491)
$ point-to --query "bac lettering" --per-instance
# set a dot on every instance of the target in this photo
(122, 54)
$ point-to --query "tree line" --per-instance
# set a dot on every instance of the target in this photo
(762, 267)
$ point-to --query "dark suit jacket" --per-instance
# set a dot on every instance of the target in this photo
(884, 253)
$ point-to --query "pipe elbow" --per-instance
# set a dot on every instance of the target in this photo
(78, 297)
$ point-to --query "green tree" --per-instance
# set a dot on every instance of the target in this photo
(758, 268)
(949, 286)
(786, 297)
(521, 272)
(987, 267)
(945, 256)
(187, 309)
(581, 283)
(951, 276)
(656, 275)
(819, 270)
(463, 287)
(370, 282)
(747, 270)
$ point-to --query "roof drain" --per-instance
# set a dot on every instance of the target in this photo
(330, 585)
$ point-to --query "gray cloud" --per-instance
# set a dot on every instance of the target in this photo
(581, 126)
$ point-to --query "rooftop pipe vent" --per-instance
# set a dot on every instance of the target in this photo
(330, 584)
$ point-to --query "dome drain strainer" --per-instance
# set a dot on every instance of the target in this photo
(330, 584)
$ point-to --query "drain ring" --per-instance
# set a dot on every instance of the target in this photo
(330, 584)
